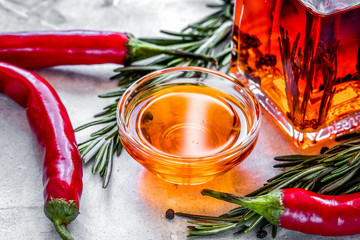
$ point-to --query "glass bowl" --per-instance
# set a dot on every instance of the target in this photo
(188, 124)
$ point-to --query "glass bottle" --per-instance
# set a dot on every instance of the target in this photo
(301, 58)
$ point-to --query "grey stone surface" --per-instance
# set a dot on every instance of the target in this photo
(134, 204)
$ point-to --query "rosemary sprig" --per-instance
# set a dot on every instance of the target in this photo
(209, 36)
(335, 172)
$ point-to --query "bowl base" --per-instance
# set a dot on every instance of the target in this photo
(185, 181)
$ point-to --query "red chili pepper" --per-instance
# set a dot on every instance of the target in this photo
(62, 164)
(53, 48)
(303, 211)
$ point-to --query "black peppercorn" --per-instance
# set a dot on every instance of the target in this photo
(323, 150)
(261, 234)
(268, 60)
(147, 117)
(170, 214)
(249, 41)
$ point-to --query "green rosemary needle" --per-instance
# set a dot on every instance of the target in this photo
(210, 36)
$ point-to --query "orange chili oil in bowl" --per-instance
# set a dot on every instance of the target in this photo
(188, 124)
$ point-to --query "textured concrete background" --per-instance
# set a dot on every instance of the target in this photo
(133, 205)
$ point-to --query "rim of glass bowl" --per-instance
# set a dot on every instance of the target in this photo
(163, 156)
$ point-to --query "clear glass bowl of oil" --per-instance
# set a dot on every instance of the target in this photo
(188, 124)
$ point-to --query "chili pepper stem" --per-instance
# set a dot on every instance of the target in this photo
(268, 205)
(137, 50)
(61, 229)
(61, 213)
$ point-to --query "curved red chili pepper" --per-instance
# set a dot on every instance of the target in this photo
(75, 47)
(62, 164)
(303, 211)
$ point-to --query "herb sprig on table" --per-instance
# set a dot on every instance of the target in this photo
(209, 36)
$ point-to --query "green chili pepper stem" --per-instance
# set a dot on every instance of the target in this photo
(61, 213)
(268, 205)
(138, 50)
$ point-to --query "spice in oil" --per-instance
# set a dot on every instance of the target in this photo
(306, 58)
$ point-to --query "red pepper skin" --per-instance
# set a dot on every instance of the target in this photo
(46, 49)
(48, 118)
(313, 213)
